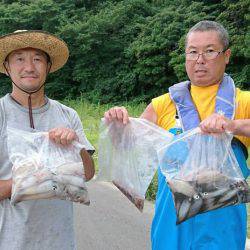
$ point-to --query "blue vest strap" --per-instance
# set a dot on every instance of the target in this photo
(188, 114)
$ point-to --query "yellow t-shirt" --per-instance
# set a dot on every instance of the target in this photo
(204, 101)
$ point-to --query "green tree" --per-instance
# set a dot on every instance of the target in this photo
(126, 50)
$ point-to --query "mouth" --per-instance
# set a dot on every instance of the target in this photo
(29, 77)
(200, 71)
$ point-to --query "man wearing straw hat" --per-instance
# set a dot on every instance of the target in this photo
(27, 57)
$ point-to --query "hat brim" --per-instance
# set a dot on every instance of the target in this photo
(56, 48)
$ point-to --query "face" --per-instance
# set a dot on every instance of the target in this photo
(27, 68)
(204, 72)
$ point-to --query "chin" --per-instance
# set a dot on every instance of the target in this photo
(204, 84)
(200, 81)
(30, 88)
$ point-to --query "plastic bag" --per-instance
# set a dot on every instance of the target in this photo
(45, 170)
(128, 156)
(202, 173)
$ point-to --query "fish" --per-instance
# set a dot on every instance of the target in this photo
(229, 195)
(214, 194)
(31, 180)
(195, 197)
(195, 206)
(210, 176)
(46, 195)
(209, 204)
(183, 211)
(43, 187)
(77, 194)
(183, 187)
(69, 179)
(178, 199)
(22, 182)
(71, 169)
(27, 165)
(42, 191)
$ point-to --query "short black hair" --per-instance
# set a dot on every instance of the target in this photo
(207, 25)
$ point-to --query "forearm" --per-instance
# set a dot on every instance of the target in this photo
(241, 127)
(5, 189)
(89, 166)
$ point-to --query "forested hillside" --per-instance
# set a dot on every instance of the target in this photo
(126, 50)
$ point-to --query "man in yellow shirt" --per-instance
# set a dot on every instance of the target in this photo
(211, 101)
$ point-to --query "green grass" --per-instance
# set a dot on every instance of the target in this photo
(91, 115)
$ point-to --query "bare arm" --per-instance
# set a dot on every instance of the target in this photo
(5, 189)
(149, 114)
(239, 127)
(88, 163)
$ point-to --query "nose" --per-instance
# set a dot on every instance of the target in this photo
(200, 59)
(29, 66)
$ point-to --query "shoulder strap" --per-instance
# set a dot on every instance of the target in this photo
(188, 114)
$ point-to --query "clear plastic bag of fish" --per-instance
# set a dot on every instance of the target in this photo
(45, 170)
(128, 156)
(202, 173)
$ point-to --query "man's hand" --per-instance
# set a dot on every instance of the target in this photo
(117, 113)
(63, 136)
(216, 123)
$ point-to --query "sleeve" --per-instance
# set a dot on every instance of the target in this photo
(243, 111)
(242, 104)
(159, 104)
(77, 126)
(165, 111)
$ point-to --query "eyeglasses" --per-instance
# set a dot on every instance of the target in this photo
(207, 55)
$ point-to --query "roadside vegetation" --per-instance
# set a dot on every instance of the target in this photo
(126, 50)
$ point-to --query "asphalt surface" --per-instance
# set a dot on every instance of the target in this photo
(112, 222)
(248, 245)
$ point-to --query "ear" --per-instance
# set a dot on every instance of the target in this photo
(48, 67)
(227, 54)
(6, 66)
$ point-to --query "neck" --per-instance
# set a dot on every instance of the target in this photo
(206, 85)
(37, 99)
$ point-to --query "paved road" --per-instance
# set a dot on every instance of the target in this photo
(111, 222)
(248, 245)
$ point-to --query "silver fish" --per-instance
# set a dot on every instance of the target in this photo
(195, 207)
(43, 187)
(183, 187)
(183, 211)
(46, 195)
(77, 194)
(214, 194)
(229, 195)
(208, 176)
(71, 169)
(69, 179)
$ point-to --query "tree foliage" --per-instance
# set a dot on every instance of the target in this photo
(124, 50)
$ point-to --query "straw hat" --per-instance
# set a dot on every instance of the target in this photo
(55, 47)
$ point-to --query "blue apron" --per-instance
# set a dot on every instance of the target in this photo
(220, 229)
